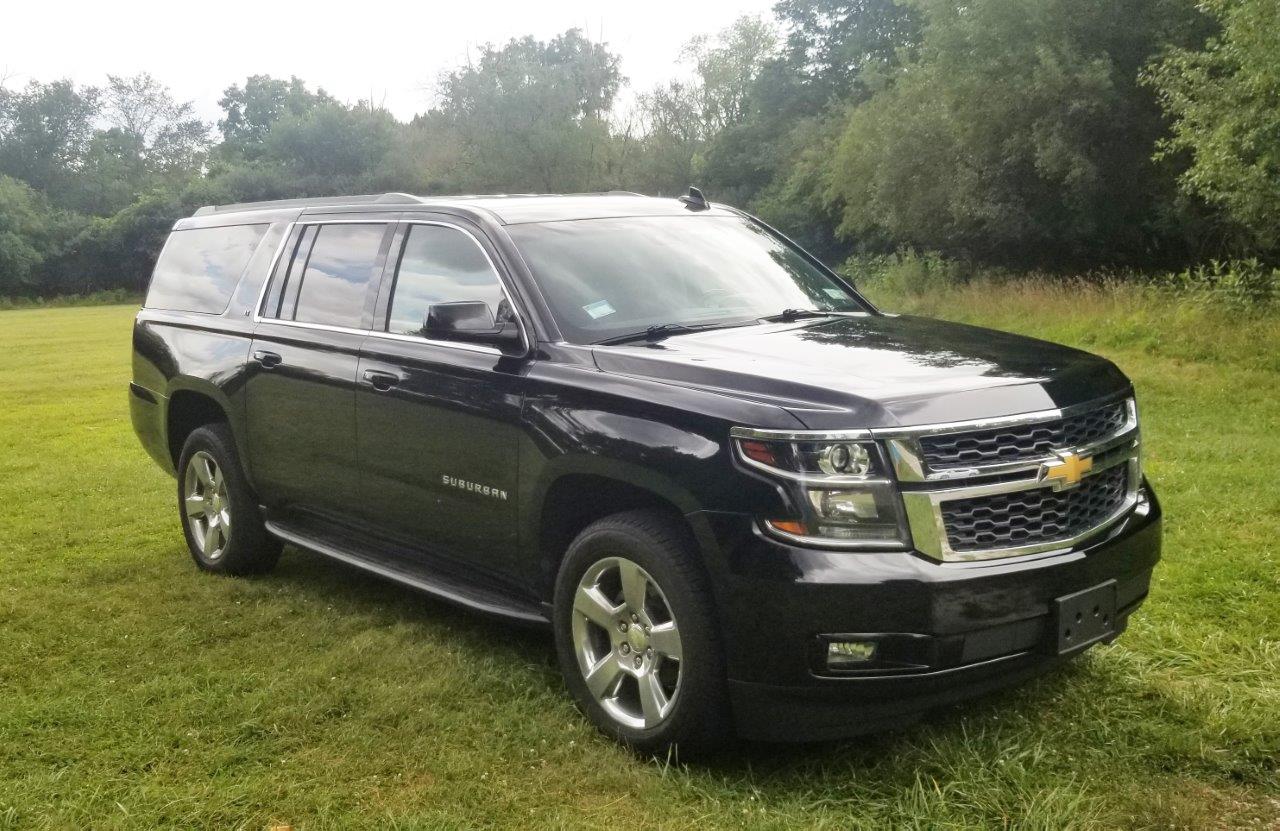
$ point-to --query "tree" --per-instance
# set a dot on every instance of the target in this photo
(94, 150)
(838, 47)
(331, 146)
(1020, 135)
(773, 160)
(679, 119)
(727, 68)
(166, 133)
(251, 110)
(1224, 100)
(45, 131)
(531, 115)
(670, 136)
(23, 222)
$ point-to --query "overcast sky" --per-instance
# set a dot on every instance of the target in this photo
(388, 50)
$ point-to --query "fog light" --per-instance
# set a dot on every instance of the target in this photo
(846, 654)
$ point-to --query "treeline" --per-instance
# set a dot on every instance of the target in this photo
(1048, 134)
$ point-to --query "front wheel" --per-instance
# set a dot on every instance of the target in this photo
(636, 636)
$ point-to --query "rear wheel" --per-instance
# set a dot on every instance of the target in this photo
(636, 636)
(220, 516)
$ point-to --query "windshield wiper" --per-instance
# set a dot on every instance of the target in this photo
(653, 334)
(788, 315)
(663, 331)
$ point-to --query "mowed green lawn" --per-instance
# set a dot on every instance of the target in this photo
(136, 692)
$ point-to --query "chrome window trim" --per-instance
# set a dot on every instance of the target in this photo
(258, 318)
(324, 327)
(447, 344)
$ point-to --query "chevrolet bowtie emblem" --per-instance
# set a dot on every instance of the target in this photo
(1067, 471)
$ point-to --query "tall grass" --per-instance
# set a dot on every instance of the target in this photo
(1222, 312)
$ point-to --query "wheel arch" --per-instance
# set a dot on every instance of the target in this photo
(577, 498)
(192, 404)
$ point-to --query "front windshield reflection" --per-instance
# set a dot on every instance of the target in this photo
(609, 277)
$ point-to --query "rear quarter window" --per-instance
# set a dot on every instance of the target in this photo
(198, 269)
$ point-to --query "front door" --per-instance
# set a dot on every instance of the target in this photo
(437, 421)
(301, 385)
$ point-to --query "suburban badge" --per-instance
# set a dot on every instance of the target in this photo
(473, 487)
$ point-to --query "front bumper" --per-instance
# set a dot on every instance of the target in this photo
(946, 631)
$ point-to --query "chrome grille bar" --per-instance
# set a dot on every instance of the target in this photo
(925, 506)
(909, 459)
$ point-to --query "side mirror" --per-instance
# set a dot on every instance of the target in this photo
(472, 322)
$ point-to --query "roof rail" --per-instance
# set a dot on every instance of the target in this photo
(374, 199)
(314, 202)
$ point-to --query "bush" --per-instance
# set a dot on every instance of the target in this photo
(1241, 285)
(111, 297)
(31, 234)
(909, 272)
(117, 251)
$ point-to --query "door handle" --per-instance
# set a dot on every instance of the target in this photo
(381, 381)
(267, 359)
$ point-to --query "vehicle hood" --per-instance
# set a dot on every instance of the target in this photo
(874, 370)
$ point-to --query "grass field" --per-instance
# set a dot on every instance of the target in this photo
(136, 692)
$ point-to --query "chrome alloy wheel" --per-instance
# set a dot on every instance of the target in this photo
(627, 643)
(206, 505)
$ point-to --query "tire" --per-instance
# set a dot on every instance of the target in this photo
(627, 652)
(213, 495)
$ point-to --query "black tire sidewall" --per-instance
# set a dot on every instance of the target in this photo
(657, 544)
(249, 550)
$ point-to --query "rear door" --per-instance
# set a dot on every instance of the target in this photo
(314, 316)
(437, 420)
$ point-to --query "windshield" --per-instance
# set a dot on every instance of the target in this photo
(605, 278)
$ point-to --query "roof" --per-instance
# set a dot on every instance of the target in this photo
(507, 209)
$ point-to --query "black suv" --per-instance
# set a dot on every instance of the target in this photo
(742, 497)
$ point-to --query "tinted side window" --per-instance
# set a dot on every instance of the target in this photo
(284, 298)
(440, 265)
(339, 269)
(198, 269)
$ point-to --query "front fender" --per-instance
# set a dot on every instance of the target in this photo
(669, 441)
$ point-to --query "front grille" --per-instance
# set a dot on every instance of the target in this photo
(1023, 442)
(1034, 516)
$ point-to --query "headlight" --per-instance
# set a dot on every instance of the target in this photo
(844, 459)
(842, 488)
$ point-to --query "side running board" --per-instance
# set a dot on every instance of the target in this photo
(437, 585)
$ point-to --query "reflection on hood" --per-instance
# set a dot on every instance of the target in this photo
(876, 370)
